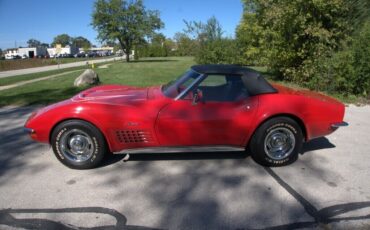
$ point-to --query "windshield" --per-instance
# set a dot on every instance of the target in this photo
(174, 88)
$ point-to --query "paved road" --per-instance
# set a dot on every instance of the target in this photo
(328, 187)
(53, 67)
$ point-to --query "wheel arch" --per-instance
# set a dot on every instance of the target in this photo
(292, 116)
(79, 119)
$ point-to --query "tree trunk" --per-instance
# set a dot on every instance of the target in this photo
(128, 57)
(124, 48)
(128, 50)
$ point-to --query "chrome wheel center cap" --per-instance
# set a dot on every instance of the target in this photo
(78, 144)
(279, 143)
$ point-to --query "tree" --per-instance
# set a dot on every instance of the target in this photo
(63, 39)
(220, 51)
(361, 59)
(33, 43)
(170, 47)
(209, 31)
(287, 36)
(127, 22)
(157, 46)
(110, 43)
(81, 42)
(317, 43)
(45, 45)
(210, 46)
(185, 46)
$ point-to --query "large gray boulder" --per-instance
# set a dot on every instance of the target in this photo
(88, 77)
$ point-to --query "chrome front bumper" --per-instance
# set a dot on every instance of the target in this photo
(339, 124)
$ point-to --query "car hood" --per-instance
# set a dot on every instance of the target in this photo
(112, 94)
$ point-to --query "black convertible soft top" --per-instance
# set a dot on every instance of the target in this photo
(254, 82)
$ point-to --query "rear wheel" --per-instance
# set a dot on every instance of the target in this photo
(276, 142)
(78, 144)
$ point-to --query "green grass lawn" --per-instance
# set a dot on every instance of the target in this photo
(42, 92)
(14, 79)
(26, 77)
(146, 72)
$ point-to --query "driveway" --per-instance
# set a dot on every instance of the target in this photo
(10, 73)
(328, 187)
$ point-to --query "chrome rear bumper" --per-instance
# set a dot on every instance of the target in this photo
(28, 131)
(339, 124)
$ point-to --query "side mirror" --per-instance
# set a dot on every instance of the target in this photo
(197, 94)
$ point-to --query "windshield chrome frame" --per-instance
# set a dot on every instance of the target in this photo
(185, 91)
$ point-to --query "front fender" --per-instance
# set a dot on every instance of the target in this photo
(45, 120)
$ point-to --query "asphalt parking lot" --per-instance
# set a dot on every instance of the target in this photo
(328, 187)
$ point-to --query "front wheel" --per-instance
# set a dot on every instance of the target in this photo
(78, 144)
(276, 142)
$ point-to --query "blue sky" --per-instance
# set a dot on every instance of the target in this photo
(21, 20)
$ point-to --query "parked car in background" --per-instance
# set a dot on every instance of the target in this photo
(80, 55)
(91, 54)
(12, 57)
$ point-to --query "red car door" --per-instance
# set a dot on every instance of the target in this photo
(208, 122)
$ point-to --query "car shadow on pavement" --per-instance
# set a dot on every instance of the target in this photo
(114, 158)
(313, 145)
(317, 144)
(187, 156)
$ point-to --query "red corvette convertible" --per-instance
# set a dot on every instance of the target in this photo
(209, 108)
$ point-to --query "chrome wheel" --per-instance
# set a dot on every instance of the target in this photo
(279, 143)
(76, 145)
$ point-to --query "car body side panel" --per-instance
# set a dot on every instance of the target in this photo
(271, 105)
(316, 111)
(321, 110)
(181, 123)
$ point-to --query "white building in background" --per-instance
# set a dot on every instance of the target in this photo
(11, 53)
(25, 52)
(32, 52)
(68, 50)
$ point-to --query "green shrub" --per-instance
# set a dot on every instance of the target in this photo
(323, 45)
(220, 51)
(346, 71)
(361, 56)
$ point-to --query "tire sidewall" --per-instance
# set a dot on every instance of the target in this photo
(258, 142)
(95, 135)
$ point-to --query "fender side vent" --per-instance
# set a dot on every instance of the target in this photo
(134, 136)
